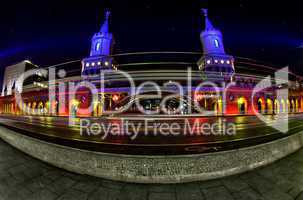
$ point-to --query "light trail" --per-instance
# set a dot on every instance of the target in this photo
(239, 60)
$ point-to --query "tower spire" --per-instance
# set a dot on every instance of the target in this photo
(204, 11)
(208, 24)
(104, 27)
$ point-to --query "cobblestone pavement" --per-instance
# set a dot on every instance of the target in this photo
(25, 178)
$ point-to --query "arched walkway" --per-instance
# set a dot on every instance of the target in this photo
(34, 106)
(293, 106)
(276, 107)
(29, 108)
(283, 106)
(74, 106)
(269, 106)
(260, 105)
(289, 105)
(41, 109)
(242, 105)
(47, 107)
(297, 105)
(97, 109)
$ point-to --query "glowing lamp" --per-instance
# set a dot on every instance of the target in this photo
(208, 61)
(216, 61)
(115, 98)
(106, 63)
(228, 62)
(93, 64)
(87, 64)
(222, 61)
(99, 63)
(198, 97)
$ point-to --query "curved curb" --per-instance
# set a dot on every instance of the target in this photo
(155, 169)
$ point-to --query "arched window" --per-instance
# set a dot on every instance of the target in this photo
(217, 45)
(98, 45)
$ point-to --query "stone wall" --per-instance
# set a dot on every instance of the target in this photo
(155, 169)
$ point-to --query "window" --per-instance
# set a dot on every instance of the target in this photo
(98, 45)
(217, 43)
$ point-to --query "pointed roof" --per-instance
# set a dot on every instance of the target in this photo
(208, 24)
(105, 27)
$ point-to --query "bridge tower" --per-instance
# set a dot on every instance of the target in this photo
(215, 63)
(100, 53)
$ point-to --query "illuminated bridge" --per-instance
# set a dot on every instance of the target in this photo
(153, 117)
(37, 113)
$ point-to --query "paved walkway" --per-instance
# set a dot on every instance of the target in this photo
(25, 178)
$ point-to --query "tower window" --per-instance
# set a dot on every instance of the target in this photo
(98, 45)
(217, 43)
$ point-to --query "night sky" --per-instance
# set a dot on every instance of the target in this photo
(53, 31)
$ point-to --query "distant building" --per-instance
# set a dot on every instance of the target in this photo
(11, 75)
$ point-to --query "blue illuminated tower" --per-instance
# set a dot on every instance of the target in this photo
(100, 54)
(215, 63)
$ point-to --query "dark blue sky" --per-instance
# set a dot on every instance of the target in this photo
(53, 31)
